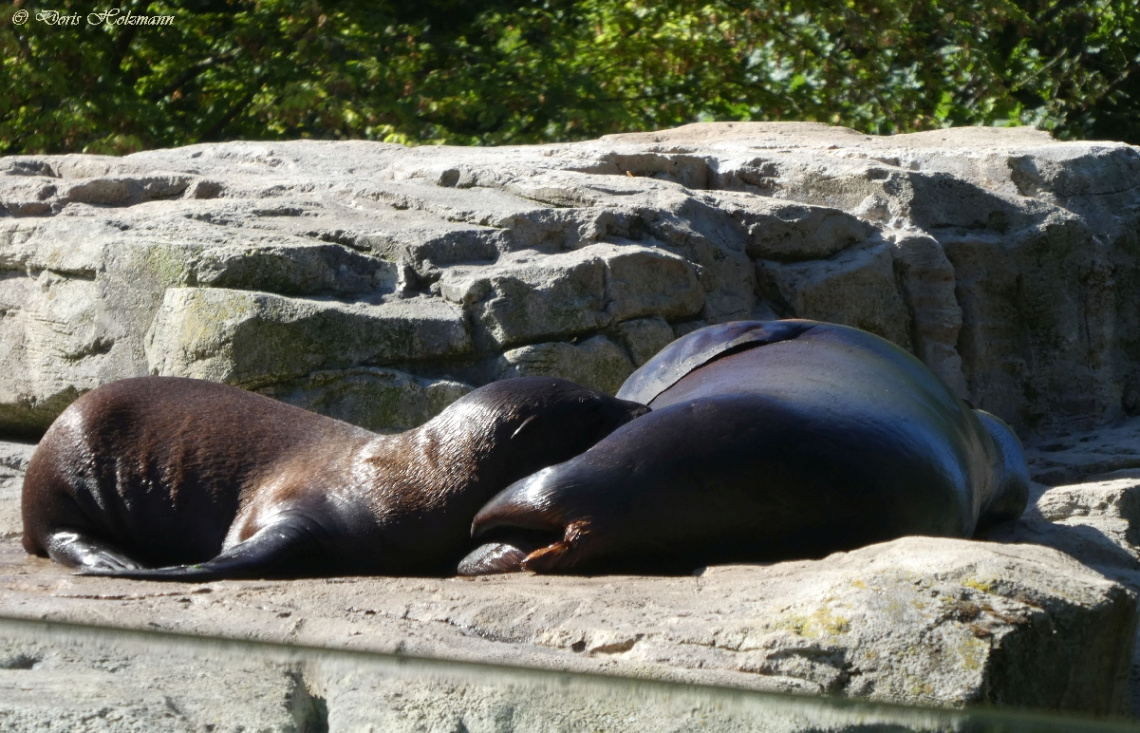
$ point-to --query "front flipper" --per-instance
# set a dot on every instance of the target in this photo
(77, 550)
(289, 548)
(504, 552)
(519, 550)
(492, 558)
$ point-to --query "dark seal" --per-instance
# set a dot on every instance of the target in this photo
(766, 441)
(221, 482)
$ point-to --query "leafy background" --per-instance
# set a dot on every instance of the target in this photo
(493, 72)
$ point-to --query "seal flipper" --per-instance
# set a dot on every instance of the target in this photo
(694, 350)
(286, 548)
(532, 551)
(1010, 490)
(492, 558)
(565, 554)
(77, 550)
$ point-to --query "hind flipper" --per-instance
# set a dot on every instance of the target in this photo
(77, 550)
(289, 548)
(1010, 482)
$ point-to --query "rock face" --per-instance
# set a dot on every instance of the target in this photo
(14, 459)
(338, 274)
(920, 620)
(84, 683)
(55, 677)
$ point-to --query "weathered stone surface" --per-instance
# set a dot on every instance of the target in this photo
(377, 284)
(644, 337)
(927, 283)
(491, 701)
(114, 681)
(254, 339)
(524, 300)
(643, 282)
(1070, 456)
(14, 459)
(855, 287)
(1004, 259)
(524, 297)
(371, 397)
(917, 620)
(1092, 509)
(597, 363)
(87, 686)
(1097, 521)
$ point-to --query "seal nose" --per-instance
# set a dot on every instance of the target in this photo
(511, 526)
(524, 505)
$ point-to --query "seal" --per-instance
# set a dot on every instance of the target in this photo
(220, 482)
(766, 441)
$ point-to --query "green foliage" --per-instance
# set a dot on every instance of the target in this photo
(519, 72)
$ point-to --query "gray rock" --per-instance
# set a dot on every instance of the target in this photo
(494, 701)
(597, 363)
(927, 286)
(783, 232)
(14, 459)
(1096, 521)
(371, 397)
(644, 282)
(918, 620)
(525, 296)
(1002, 258)
(55, 676)
(855, 286)
(522, 299)
(1072, 455)
(254, 339)
(1093, 512)
(66, 682)
(644, 337)
(378, 283)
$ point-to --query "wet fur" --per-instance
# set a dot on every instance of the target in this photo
(222, 482)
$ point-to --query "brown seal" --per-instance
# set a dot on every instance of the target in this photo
(161, 471)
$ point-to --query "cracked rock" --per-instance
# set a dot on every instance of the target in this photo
(1002, 258)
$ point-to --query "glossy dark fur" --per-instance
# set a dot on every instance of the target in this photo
(767, 441)
(163, 471)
